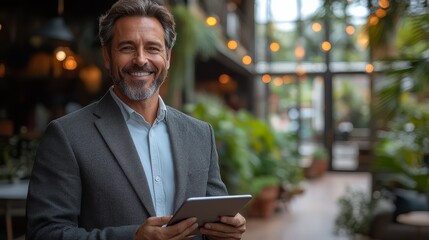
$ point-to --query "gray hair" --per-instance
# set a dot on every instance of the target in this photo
(144, 8)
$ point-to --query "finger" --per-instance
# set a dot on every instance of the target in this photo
(237, 220)
(182, 225)
(213, 234)
(224, 228)
(187, 233)
(158, 221)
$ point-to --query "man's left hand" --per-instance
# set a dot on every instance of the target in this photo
(227, 228)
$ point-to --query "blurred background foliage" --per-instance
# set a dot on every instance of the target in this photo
(252, 155)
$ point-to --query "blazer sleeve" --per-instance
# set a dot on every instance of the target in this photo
(55, 191)
(215, 185)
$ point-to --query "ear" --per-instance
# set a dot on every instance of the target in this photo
(106, 57)
(168, 59)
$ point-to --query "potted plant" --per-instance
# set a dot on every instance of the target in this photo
(16, 156)
(319, 163)
(355, 214)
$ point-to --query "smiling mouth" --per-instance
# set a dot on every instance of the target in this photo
(140, 74)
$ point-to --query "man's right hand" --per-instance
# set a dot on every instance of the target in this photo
(155, 229)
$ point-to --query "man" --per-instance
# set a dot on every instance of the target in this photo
(120, 167)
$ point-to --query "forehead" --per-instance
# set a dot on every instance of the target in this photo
(137, 27)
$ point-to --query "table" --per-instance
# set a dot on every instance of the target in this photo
(416, 218)
(12, 202)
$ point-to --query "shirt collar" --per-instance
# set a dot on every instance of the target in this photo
(127, 112)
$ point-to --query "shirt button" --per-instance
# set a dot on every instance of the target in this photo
(157, 178)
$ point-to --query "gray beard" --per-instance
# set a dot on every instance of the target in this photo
(137, 92)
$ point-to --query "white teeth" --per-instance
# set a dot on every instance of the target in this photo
(140, 74)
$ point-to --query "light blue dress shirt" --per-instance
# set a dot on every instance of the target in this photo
(153, 146)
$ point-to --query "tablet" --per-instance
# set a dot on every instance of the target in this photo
(210, 209)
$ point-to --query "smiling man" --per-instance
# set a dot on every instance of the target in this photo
(120, 167)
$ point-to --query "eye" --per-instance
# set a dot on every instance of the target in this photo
(127, 49)
(153, 50)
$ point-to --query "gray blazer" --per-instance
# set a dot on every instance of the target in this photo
(88, 183)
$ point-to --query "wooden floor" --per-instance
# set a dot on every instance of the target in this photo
(309, 216)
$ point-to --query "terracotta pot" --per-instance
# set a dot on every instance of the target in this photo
(265, 203)
(316, 169)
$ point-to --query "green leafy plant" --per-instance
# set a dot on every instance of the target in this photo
(355, 213)
(251, 154)
(405, 30)
(194, 38)
(320, 153)
(402, 148)
(17, 156)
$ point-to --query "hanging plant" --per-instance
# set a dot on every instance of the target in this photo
(194, 38)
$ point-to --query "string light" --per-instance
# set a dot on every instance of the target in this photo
(224, 78)
(278, 81)
(369, 68)
(373, 20)
(326, 46)
(383, 3)
(317, 27)
(60, 55)
(70, 63)
(246, 60)
(211, 21)
(350, 30)
(232, 44)
(275, 46)
(299, 52)
(380, 13)
(266, 78)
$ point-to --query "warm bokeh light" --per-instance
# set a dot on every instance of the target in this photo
(299, 52)
(91, 77)
(317, 27)
(380, 13)
(373, 20)
(2, 70)
(211, 21)
(274, 46)
(70, 63)
(278, 81)
(224, 78)
(384, 3)
(300, 71)
(287, 79)
(369, 68)
(326, 46)
(350, 30)
(363, 39)
(60, 55)
(246, 60)
(266, 78)
(232, 44)
(1, 27)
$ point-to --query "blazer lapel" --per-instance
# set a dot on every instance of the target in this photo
(115, 132)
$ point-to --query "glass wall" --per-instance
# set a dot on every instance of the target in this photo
(351, 116)
(314, 59)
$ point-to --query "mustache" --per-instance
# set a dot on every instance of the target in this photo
(137, 68)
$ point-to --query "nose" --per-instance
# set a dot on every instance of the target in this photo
(140, 57)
